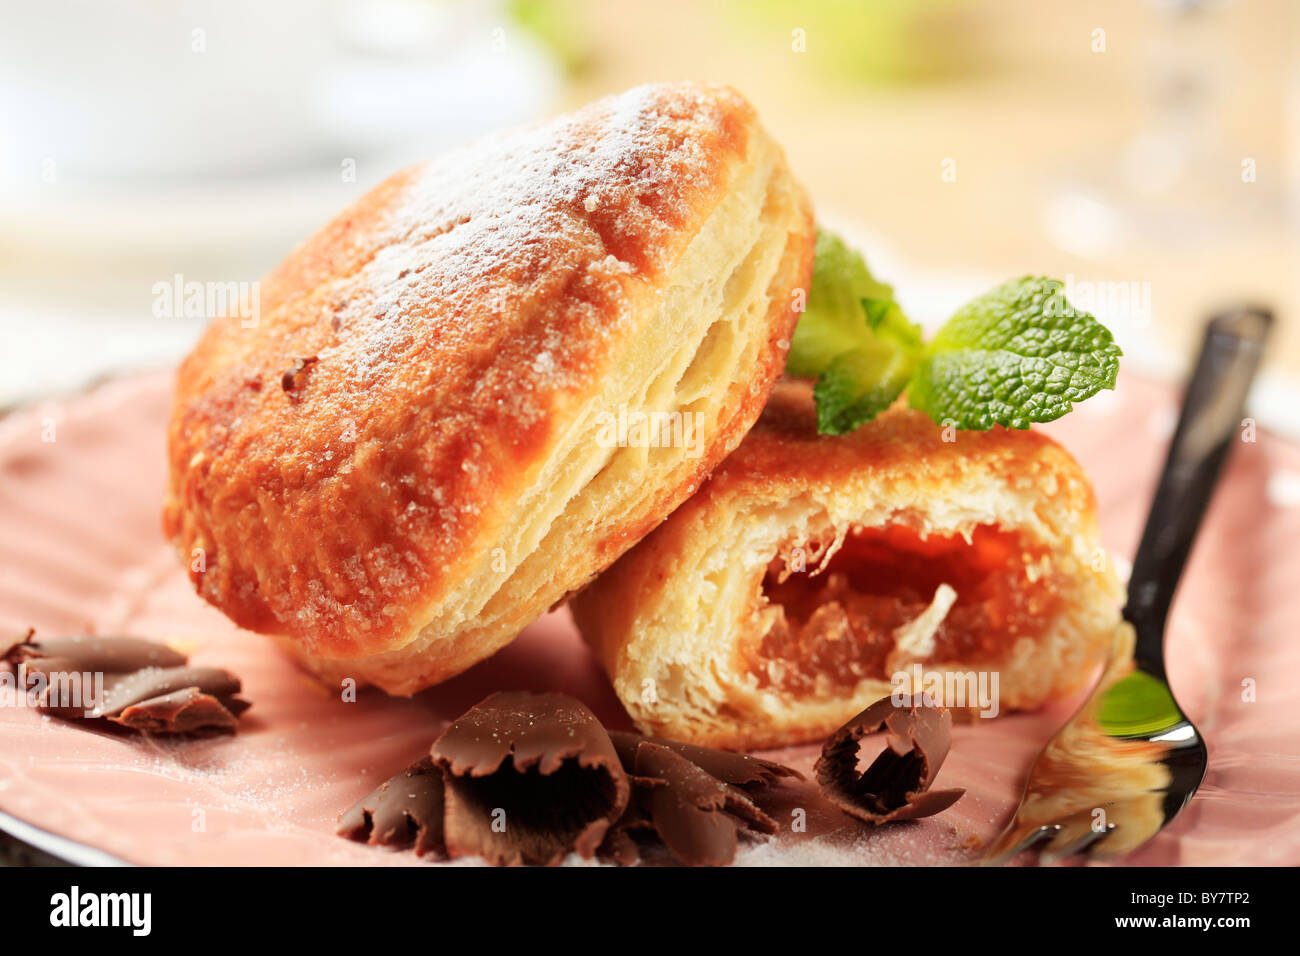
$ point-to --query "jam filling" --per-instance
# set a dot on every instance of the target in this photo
(839, 624)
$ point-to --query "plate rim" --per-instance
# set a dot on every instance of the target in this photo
(63, 849)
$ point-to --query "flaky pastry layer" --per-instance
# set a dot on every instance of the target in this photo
(438, 470)
(683, 623)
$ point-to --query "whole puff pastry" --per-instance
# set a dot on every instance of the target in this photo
(429, 435)
(810, 570)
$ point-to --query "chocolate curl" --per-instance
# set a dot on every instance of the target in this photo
(620, 845)
(897, 784)
(525, 778)
(190, 710)
(111, 655)
(403, 812)
(689, 797)
(737, 769)
(529, 777)
(146, 686)
(697, 816)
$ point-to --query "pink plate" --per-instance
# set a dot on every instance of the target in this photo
(80, 550)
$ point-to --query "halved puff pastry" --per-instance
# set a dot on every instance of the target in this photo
(782, 598)
(415, 450)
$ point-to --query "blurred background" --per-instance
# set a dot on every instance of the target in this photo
(1147, 152)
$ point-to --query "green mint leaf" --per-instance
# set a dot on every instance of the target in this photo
(1013, 356)
(837, 319)
(1017, 355)
(876, 310)
(859, 385)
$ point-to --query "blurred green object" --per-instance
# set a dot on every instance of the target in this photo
(557, 25)
(1138, 705)
(880, 41)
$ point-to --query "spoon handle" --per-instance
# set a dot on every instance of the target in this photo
(1208, 424)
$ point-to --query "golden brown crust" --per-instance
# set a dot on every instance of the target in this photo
(457, 320)
(673, 646)
(785, 455)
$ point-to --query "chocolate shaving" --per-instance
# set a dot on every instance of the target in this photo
(403, 812)
(620, 845)
(131, 682)
(529, 777)
(689, 797)
(289, 380)
(112, 655)
(897, 784)
(737, 769)
(697, 816)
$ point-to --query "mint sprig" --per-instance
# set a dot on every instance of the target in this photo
(1016, 355)
(858, 385)
(843, 298)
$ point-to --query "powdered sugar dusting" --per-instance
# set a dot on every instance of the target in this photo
(479, 228)
(479, 293)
